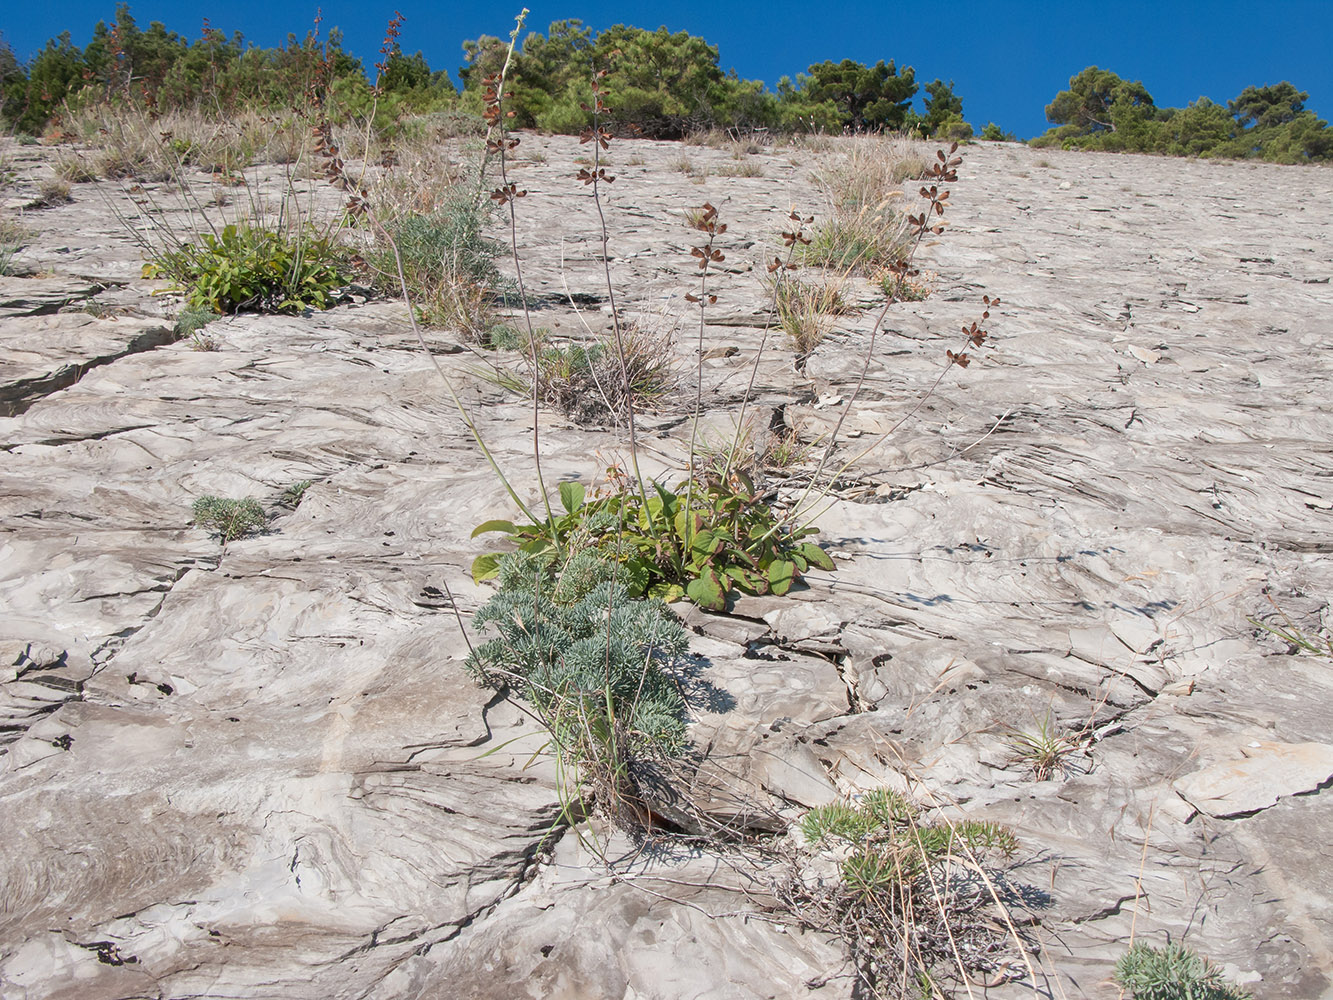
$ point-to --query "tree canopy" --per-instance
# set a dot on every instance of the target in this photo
(1102, 111)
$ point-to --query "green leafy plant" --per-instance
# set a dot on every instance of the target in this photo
(295, 493)
(1172, 973)
(707, 543)
(253, 268)
(230, 519)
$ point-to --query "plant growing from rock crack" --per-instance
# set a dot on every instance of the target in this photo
(902, 893)
(1172, 973)
(707, 541)
(593, 663)
(295, 493)
(229, 519)
(1045, 750)
(1298, 639)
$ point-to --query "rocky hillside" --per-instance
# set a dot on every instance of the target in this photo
(260, 770)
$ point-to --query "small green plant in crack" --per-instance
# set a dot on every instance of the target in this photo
(191, 321)
(708, 543)
(1172, 973)
(1296, 638)
(295, 493)
(229, 519)
(1045, 750)
(905, 897)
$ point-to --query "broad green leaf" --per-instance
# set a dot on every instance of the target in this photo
(485, 567)
(781, 575)
(571, 496)
(708, 590)
(668, 592)
(817, 557)
(508, 527)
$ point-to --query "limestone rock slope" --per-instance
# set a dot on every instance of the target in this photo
(259, 770)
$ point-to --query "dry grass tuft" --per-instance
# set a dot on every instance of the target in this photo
(806, 309)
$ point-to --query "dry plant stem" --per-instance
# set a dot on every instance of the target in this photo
(507, 194)
(598, 139)
(791, 239)
(936, 206)
(453, 393)
(979, 868)
(706, 255)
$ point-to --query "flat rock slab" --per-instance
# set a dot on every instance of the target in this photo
(1266, 772)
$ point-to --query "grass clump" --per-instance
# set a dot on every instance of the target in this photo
(448, 264)
(1045, 750)
(253, 268)
(12, 237)
(587, 383)
(860, 241)
(805, 310)
(52, 192)
(1172, 973)
(229, 519)
(905, 896)
(863, 232)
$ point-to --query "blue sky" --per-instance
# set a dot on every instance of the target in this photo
(1007, 58)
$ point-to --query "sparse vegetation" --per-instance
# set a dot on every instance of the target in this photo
(1173, 972)
(52, 192)
(295, 493)
(806, 309)
(597, 383)
(448, 263)
(227, 518)
(903, 893)
(12, 237)
(1045, 749)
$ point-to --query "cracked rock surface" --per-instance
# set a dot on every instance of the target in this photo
(259, 770)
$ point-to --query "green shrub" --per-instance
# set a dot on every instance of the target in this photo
(230, 519)
(591, 659)
(706, 542)
(1172, 973)
(254, 269)
(993, 133)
